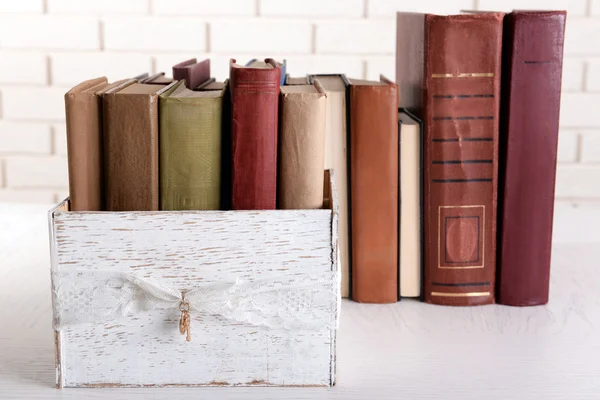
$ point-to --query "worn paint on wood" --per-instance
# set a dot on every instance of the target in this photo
(183, 249)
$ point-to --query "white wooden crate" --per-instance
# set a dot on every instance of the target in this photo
(265, 264)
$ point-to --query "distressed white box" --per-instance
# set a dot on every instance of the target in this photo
(262, 288)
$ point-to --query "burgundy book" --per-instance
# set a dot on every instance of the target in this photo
(457, 93)
(532, 69)
(195, 73)
(254, 99)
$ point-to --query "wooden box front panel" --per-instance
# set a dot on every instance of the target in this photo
(188, 249)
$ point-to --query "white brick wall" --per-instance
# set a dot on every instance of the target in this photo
(47, 46)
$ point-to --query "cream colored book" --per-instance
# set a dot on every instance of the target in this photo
(410, 206)
(336, 158)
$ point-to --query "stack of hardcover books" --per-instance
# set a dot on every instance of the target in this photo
(445, 179)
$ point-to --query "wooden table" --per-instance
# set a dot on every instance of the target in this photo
(402, 351)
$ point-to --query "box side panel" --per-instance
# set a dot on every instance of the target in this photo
(335, 265)
(61, 207)
(185, 251)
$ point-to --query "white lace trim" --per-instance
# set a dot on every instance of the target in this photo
(298, 301)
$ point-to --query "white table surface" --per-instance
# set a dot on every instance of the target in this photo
(402, 351)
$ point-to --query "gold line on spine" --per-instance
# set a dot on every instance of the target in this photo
(470, 294)
(465, 75)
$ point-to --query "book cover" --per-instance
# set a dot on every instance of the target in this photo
(254, 63)
(131, 147)
(374, 190)
(254, 93)
(190, 148)
(83, 111)
(157, 79)
(458, 97)
(411, 204)
(302, 146)
(336, 158)
(193, 72)
(531, 87)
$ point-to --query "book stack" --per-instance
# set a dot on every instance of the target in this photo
(485, 88)
(445, 179)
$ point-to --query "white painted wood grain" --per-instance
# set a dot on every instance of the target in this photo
(406, 350)
(185, 250)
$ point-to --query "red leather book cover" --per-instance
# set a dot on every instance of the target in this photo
(460, 104)
(533, 45)
(254, 99)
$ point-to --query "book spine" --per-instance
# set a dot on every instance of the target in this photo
(254, 99)
(462, 94)
(374, 193)
(84, 146)
(533, 43)
(190, 153)
(302, 150)
(131, 152)
(410, 211)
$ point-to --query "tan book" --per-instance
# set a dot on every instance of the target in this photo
(302, 146)
(190, 148)
(83, 112)
(336, 158)
(131, 147)
(410, 206)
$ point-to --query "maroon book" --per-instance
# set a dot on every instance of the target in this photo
(254, 101)
(448, 72)
(194, 73)
(533, 44)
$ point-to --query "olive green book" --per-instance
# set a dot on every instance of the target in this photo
(190, 148)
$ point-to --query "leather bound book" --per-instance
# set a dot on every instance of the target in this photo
(460, 106)
(374, 190)
(302, 146)
(531, 86)
(83, 109)
(131, 147)
(336, 158)
(411, 204)
(193, 72)
(254, 95)
(254, 63)
(190, 148)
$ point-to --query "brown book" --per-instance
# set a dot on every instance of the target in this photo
(531, 84)
(458, 97)
(83, 110)
(131, 147)
(374, 190)
(301, 146)
(157, 79)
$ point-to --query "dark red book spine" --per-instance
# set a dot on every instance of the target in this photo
(462, 109)
(532, 68)
(254, 99)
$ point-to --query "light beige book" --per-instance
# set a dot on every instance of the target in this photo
(336, 158)
(302, 146)
(410, 207)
